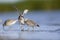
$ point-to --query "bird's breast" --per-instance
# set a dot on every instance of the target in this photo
(21, 20)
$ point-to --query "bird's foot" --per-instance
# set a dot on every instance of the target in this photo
(22, 29)
(32, 30)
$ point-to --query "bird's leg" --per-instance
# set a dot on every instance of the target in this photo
(10, 27)
(19, 25)
(33, 29)
(22, 29)
(28, 28)
(4, 28)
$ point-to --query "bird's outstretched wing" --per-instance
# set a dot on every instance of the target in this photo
(24, 12)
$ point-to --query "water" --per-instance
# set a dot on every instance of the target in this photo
(49, 29)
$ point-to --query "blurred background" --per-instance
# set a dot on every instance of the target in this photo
(46, 13)
(7, 5)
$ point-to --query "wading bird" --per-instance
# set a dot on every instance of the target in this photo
(31, 23)
(9, 22)
(21, 18)
(24, 21)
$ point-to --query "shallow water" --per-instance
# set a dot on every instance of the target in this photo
(49, 29)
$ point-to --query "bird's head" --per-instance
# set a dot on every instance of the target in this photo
(20, 16)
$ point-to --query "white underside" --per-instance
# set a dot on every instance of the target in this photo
(22, 21)
(14, 22)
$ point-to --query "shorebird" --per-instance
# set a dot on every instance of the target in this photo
(24, 21)
(31, 23)
(9, 22)
(21, 18)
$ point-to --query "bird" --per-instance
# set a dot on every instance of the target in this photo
(21, 15)
(31, 23)
(21, 18)
(21, 21)
(9, 22)
(26, 21)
